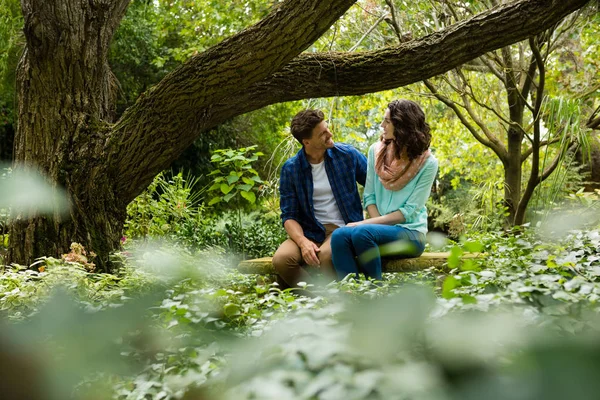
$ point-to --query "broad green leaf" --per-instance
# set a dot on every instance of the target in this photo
(248, 181)
(215, 186)
(454, 258)
(232, 179)
(245, 188)
(473, 247)
(448, 286)
(250, 196)
(214, 200)
(228, 197)
(231, 310)
(225, 188)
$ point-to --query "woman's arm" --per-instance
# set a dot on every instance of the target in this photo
(373, 211)
(369, 192)
(392, 218)
(416, 201)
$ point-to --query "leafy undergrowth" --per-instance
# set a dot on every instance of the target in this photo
(517, 323)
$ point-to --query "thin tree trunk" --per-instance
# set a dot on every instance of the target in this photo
(512, 176)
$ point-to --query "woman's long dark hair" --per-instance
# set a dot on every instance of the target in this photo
(410, 129)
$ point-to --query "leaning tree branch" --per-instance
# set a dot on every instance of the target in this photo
(170, 116)
(166, 119)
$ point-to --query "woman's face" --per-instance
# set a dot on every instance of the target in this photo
(387, 126)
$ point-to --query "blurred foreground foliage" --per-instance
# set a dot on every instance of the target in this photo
(520, 322)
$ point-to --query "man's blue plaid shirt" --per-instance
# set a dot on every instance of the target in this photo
(345, 166)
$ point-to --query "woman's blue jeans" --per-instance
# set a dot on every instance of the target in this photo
(358, 249)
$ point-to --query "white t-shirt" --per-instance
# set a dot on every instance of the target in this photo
(326, 208)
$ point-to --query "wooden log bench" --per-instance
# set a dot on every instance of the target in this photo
(264, 266)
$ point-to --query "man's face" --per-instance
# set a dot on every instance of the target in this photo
(321, 138)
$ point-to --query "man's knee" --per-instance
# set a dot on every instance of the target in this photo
(325, 255)
(284, 258)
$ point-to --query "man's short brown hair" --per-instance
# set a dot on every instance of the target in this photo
(304, 122)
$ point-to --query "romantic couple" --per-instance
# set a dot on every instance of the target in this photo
(321, 208)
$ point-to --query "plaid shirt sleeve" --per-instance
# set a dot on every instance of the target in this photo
(287, 195)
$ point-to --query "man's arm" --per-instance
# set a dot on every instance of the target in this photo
(309, 249)
(288, 201)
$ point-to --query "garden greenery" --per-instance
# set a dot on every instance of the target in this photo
(173, 323)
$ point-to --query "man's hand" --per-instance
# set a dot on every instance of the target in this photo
(309, 252)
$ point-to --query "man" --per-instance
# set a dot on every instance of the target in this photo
(318, 193)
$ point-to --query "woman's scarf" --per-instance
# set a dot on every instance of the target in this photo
(393, 172)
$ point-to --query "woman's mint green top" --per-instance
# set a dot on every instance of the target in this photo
(410, 200)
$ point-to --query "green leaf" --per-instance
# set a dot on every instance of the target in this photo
(225, 188)
(232, 179)
(214, 200)
(468, 265)
(248, 181)
(214, 172)
(245, 188)
(228, 197)
(215, 186)
(448, 286)
(216, 157)
(454, 258)
(250, 196)
(473, 247)
(231, 310)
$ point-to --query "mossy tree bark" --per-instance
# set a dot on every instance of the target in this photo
(65, 126)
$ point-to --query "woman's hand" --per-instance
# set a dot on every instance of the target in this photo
(353, 224)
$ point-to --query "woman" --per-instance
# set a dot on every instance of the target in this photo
(400, 173)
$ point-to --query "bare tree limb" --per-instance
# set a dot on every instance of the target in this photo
(525, 155)
(499, 150)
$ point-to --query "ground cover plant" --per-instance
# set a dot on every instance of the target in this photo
(172, 325)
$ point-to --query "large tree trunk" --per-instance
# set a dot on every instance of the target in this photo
(65, 102)
(65, 99)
